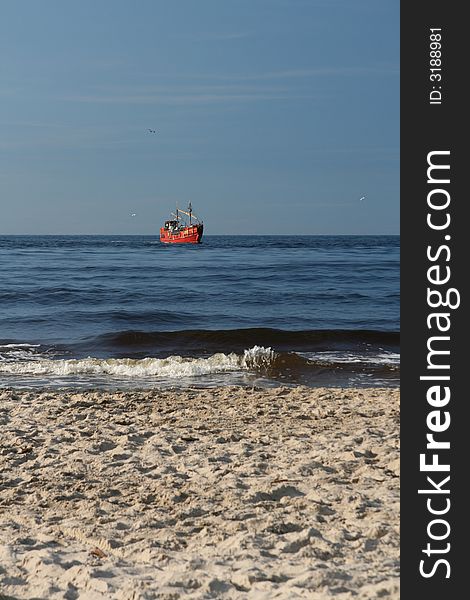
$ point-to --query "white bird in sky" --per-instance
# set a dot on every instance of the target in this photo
(133, 215)
(361, 198)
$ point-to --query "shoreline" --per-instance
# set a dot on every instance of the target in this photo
(224, 492)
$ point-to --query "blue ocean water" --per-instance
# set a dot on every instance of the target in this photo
(128, 310)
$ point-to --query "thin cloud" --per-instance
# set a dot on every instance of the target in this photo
(287, 74)
(62, 135)
(286, 84)
(320, 71)
(180, 95)
(218, 36)
(183, 100)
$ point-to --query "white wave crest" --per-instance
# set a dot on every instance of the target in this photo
(17, 352)
(171, 367)
(385, 358)
(258, 357)
(19, 346)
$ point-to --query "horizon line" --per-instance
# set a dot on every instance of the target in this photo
(205, 236)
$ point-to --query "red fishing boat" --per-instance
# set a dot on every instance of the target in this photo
(180, 231)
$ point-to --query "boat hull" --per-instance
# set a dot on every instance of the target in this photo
(187, 235)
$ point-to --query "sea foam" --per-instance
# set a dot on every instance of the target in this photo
(170, 367)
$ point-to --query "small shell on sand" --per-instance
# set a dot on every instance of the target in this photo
(98, 552)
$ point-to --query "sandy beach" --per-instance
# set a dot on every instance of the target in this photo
(230, 492)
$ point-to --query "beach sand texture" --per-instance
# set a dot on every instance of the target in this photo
(231, 492)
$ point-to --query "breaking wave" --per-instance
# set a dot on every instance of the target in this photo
(172, 367)
(31, 365)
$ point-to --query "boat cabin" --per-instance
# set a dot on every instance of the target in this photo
(171, 224)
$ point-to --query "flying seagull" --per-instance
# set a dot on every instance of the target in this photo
(133, 215)
(362, 198)
(152, 131)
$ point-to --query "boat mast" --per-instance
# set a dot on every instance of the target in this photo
(190, 209)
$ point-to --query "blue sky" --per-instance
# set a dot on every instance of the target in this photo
(272, 116)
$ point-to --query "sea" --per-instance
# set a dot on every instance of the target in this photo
(127, 312)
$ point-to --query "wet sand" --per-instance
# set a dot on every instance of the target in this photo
(224, 493)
